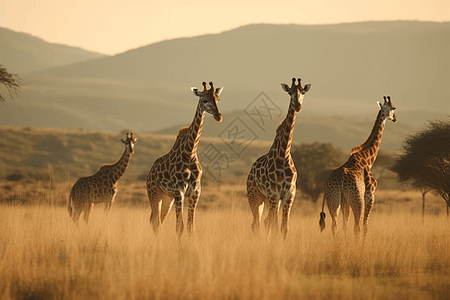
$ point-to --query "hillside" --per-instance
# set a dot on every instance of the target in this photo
(344, 62)
(66, 155)
(40, 154)
(350, 67)
(22, 53)
(256, 56)
(344, 133)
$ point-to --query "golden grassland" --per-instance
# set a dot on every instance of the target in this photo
(43, 255)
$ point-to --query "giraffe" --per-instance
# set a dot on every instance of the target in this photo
(272, 177)
(100, 187)
(353, 185)
(176, 176)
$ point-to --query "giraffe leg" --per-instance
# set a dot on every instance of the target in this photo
(87, 211)
(345, 212)
(178, 200)
(155, 199)
(334, 213)
(271, 221)
(287, 204)
(332, 196)
(166, 205)
(155, 218)
(110, 200)
(256, 202)
(369, 197)
(107, 206)
(76, 213)
(192, 206)
(77, 198)
(358, 208)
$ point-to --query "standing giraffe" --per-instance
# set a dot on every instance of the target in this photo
(100, 187)
(176, 176)
(353, 184)
(273, 176)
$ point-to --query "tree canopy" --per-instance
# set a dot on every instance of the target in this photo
(314, 163)
(425, 161)
(10, 81)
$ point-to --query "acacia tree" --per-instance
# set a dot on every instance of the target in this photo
(10, 81)
(314, 163)
(425, 161)
(382, 163)
(423, 190)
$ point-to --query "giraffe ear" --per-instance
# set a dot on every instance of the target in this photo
(135, 140)
(379, 104)
(123, 141)
(307, 87)
(285, 87)
(195, 91)
(219, 91)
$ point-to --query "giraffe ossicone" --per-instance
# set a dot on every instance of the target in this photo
(272, 178)
(100, 187)
(353, 185)
(175, 178)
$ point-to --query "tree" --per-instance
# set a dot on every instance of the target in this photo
(423, 190)
(10, 81)
(382, 163)
(314, 163)
(425, 161)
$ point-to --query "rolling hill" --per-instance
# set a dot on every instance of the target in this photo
(23, 53)
(350, 67)
(66, 155)
(346, 61)
(63, 155)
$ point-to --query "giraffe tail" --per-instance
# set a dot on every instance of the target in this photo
(69, 206)
(322, 216)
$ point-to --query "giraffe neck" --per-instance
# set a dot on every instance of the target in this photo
(281, 147)
(372, 145)
(195, 130)
(118, 169)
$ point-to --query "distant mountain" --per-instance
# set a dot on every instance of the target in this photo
(22, 53)
(355, 61)
(350, 67)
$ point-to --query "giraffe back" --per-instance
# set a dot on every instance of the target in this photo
(93, 189)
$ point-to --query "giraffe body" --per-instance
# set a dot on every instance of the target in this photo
(100, 187)
(175, 178)
(272, 178)
(352, 186)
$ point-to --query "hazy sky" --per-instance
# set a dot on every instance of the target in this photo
(110, 27)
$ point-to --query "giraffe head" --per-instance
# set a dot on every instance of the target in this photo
(296, 92)
(129, 143)
(208, 100)
(387, 109)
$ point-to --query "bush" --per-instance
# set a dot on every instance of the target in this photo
(15, 176)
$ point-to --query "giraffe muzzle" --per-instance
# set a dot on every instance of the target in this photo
(394, 118)
(218, 117)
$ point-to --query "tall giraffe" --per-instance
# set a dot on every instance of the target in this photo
(353, 184)
(100, 187)
(176, 176)
(273, 176)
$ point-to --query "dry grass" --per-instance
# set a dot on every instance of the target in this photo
(44, 256)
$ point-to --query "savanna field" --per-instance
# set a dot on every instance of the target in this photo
(45, 255)
(117, 256)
